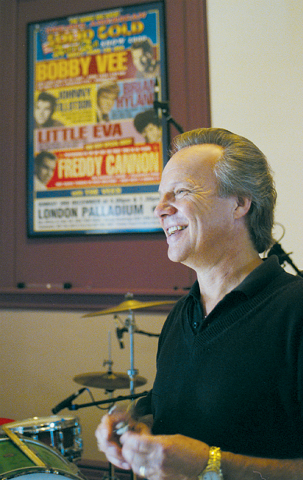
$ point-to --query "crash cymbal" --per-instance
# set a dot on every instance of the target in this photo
(129, 305)
(108, 381)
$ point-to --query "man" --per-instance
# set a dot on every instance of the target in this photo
(143, 59)
(107, 94)
(44, 110)
(45, 164)
(149, 126)
(227, 401)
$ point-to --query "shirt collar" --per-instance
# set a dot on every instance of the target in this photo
(255, 281)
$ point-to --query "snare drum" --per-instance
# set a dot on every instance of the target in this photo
(62, 433)
(14, 463)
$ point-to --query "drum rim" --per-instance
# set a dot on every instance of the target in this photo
(71, 471)
(41, 422)
(18, 472)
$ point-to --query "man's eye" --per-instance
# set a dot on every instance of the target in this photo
(181, 191)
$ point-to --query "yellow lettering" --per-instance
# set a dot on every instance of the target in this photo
(100, 32)
(101, 61)
(114, 31)
(52, 71)
(79, 167)
(74, 70)
(110, 164)
(87, 34)
(115, 164)
(137, 27)
(62, 69)
(117, 62)
(85, 63)
(40, 72)
(118, 30)
(63, 168)
(98, 163)
(111, 62)
(132, 163)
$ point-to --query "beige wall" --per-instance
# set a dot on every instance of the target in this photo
(256, 90)
(41, 352)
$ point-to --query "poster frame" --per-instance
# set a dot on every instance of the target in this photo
(58, 195)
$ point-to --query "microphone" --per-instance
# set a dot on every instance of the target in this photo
(67, 402)
(156, 98)
(119, 333)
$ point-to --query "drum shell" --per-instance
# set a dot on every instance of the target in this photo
(62, 433)
(14, 462)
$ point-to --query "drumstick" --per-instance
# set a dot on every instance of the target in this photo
(25, 449)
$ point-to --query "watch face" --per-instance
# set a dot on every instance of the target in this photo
(211, 476)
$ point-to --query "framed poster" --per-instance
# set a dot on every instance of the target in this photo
(96, 146)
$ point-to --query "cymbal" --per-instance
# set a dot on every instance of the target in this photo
(108, 381)
(129, 305)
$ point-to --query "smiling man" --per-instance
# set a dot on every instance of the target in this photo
(227, 400)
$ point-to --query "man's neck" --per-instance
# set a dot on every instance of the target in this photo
(219, 279)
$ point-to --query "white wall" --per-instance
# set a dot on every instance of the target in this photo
(256, 73)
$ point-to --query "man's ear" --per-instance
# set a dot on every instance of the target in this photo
(242, 207)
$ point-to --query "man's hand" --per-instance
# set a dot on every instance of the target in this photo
(163, 457)
(108, 437)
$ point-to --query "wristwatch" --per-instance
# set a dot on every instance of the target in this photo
(212, 470)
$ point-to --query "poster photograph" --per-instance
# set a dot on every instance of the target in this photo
(95, 145)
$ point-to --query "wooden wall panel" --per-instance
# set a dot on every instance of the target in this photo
(100, 268)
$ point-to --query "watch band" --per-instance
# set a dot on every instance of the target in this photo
(213, 464)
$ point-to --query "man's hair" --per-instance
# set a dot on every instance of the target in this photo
(48, 97)
(146, 46)
(241, 171)
(143, 119)
(108, 87)
(41, 156)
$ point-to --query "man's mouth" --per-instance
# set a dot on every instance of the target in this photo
(174, 229)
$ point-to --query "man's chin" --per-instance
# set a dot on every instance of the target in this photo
(175, 256)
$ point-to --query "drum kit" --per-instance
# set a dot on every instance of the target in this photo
(50, 446)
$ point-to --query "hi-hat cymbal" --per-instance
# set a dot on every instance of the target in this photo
(129, 305)
(108, 381)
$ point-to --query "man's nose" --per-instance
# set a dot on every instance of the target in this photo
(164, 208)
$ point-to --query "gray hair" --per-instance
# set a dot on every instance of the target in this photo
(243, 171)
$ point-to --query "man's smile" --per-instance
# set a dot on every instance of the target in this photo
(175, 228)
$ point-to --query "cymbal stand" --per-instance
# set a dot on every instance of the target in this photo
(130, 325)
(109, 362)
(132, 372)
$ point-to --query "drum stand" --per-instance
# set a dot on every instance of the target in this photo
(129, 326)
(132, 372)
(109, 362)
(129, 305)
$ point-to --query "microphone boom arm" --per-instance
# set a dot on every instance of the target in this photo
(164, 106)
(132, 396)
(283, 257)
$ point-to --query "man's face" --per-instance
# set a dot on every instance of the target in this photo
(196, 221)
(43, 111)
(152, 133)
(139, 59)
(106, 101)
(46, 170)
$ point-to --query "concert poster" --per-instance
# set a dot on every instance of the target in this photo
(96, 147)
